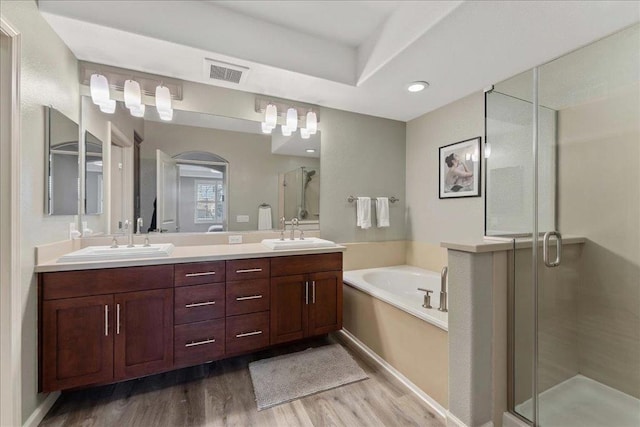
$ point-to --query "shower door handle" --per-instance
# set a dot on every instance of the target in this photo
(545, 248)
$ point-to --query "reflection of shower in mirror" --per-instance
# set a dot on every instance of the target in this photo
(302, 194)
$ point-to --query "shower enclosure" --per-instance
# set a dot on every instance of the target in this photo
(563, 161)
(302, 194)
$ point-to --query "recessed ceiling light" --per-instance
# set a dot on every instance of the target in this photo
(310, 150)
(417, 86)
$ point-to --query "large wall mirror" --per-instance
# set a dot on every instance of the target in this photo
(200, 173)
(63, 151)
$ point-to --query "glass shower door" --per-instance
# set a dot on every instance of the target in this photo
(588, 294)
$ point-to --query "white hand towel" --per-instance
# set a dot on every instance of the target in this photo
(363, 212)
(382, 211)
(264, 218)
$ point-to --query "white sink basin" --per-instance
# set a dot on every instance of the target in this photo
(103, 253)
(307, 243)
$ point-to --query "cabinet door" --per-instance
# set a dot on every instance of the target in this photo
(77, 342)
(289, 309)
(143, 333)
(325, 302)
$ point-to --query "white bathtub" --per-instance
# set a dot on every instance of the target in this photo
(398, 286)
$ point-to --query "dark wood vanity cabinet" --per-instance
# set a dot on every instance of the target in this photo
(92, 332)
(107, 325)
(306, 296)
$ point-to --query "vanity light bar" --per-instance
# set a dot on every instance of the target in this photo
(117, 77)
(282, 107)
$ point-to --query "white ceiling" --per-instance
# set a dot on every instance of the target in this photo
(351, 55)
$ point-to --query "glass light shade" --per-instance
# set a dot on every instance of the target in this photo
(132, 94)
(474, 157)
(99, 87)
(304, 133)
(271, 115)
(167, 116)
(467, 156)
(138, 111)
(108, 107)
(266, 128)
(163, 99)
(292, 119)
(312, 123)
(286, 131)
(487, 150)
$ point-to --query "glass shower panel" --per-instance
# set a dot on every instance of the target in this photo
(509, 163)
(589, 305)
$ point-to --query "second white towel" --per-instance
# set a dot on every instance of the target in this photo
(363, 212)
(382, 211)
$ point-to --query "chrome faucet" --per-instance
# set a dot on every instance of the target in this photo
(128, 229)
(294, 224)
(427, 298)
(283, 227)
(443, 289)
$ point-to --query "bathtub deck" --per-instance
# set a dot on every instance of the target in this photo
(221, 394)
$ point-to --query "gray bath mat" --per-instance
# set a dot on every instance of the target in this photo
(292, 376)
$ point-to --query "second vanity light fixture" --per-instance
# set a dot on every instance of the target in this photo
(99, 87)
(290, 125)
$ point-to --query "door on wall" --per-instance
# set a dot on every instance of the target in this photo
(166, 193)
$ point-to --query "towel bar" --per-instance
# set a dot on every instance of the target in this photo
(392, 199)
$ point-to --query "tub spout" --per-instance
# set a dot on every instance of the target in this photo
(443, 289)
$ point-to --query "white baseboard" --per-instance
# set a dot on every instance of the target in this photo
(41, 411)
(354, 343)
(453, 421)
(510, 420)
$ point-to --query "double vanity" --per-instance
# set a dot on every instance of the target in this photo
(107, 321)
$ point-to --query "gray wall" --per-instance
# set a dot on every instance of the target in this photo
(361, 156)
(430, 219)
(49, 76)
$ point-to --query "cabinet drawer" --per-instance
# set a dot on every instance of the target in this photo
(199, 302)
(303, 264)
(245, 269)
(249, 296)
(199, 342)
(70, 284)
(198, 273)
(247, 332)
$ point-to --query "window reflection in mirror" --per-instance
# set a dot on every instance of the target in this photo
(94, 193)
(62, 164)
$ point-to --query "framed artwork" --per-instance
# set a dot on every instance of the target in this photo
(459, 168)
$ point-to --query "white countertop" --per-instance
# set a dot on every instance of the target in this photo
(183, 254)
(496, 244)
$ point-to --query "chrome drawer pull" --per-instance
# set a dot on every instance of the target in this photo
(248, 334)
(206, 273)
(249, 270)
(248, 298)
(195, 343)
(106, 320)
(117, 319)
(199, 304)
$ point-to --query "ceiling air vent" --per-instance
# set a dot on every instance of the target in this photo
(218, 70)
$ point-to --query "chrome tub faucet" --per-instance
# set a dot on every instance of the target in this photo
(443, 289)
